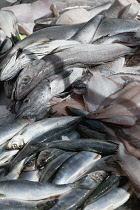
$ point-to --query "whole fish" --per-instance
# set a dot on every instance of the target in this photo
(112, 200)
(92, 145)
(34, 51)
(75, 167)
(37, 143)
(39, 129)
(85, 54)
(56, 32)
(27, 190)
(54, 165)
(112, 26)
(109, 184)
(75, 198)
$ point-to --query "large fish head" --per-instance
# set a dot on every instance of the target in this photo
(26, 79)
(17, 142)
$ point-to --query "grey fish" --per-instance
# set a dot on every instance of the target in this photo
(112, 26)
(77, 55)
(75, 166)
(54, 165)
(92, 145)
(34, 51)
(36, 104)
(127, 38)
(56, 32)
(75, 198)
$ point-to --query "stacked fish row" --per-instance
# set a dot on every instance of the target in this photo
(92, 66)
(38, 171)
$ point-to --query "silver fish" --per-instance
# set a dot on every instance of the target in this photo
(76, 166)
(38, 129)
(112, 200)
(27, 190)
(11, 129)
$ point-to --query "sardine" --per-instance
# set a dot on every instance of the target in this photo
(112, 200)
(54, 165)
(92, 145)
(75, 198)
(107, 186)
(27, 190)
(38, 129)
(75, 167)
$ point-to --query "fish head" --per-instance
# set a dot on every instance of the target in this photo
(17, 142)
(98, 175)
(26, 79)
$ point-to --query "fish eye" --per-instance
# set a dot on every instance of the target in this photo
(26, 79)
(26, 100)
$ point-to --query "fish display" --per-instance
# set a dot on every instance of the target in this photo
(69, 104)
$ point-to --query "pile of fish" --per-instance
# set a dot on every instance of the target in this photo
(69, 104)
